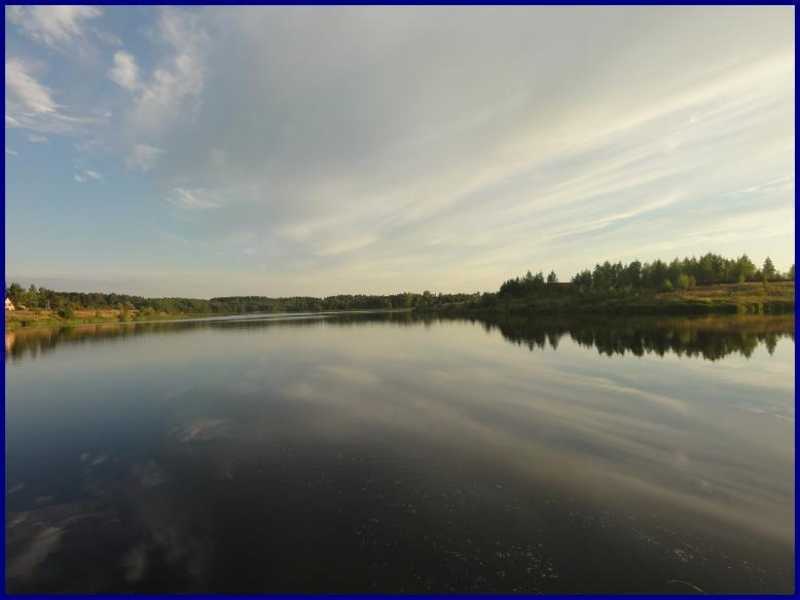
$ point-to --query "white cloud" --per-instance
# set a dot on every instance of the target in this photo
(10, 152)
(125, 71)
(191, 199)
(26, 94)
(31, 105)
(87, 176)
(347, 245)
(35, 138)
(372, 148)
(179, 78)
(143, 157)
(54, 26)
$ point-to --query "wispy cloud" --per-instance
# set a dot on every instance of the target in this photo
(26, 94)
(143, 157)
(87, 175)
(197, 199)
(125, 71)
(54, 26)
(178, 78)
(348, 245)
(301, 126)
(30, 104)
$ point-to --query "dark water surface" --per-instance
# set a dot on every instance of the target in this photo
(388, 453)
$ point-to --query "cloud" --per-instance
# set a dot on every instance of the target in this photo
(54, 26)
(107, 37)
(87, 176)
(37, 139)
(178, 78)
(345, 246)
(143, 157)
(91, 144)
(25, 92)
(320, 120)
(30, 104)
(10, 152)
(383, 148)
(191, 199)
(125, 71)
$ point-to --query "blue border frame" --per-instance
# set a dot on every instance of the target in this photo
(401, 3)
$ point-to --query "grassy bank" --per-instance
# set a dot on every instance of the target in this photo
(736, 298)
(742, 298)
(30, 319)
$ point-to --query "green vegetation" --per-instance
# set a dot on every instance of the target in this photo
(41, 307)
(745, 298)
(66, 303)
(610, 279)
(711, 337)
(710, 284)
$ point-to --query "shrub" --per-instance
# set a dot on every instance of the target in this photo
(66, 312)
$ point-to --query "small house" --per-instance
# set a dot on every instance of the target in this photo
(9, 304)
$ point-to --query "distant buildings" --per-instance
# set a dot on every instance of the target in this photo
(9, 304)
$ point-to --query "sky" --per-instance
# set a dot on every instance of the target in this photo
(213, 151)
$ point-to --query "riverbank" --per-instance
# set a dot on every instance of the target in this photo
(743, 298)
(740, 298)
(48, 319)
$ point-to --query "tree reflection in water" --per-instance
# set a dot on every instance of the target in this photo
(711, 338)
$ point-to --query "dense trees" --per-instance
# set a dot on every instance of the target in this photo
(529, 284)
(605, 279)
(679, 274)
(65, 303)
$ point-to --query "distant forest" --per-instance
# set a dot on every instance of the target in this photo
(610, 278)
(64, 303)
(605, 279)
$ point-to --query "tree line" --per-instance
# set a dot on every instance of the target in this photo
(655, 276)
(64, 303)
(606, 278)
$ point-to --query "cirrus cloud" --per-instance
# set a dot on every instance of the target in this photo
(52, 25)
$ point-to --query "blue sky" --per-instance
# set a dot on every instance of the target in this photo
(280, 151)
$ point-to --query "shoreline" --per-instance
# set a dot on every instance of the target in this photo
(775, 298)
(54, 322)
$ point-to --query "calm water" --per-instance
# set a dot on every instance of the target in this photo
(384, 453)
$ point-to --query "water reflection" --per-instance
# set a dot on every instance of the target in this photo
(712, 338)
(388, 453)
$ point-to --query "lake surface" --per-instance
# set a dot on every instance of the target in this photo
(380, 452)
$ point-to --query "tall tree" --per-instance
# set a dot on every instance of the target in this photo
(768, 271)
(15, 292)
